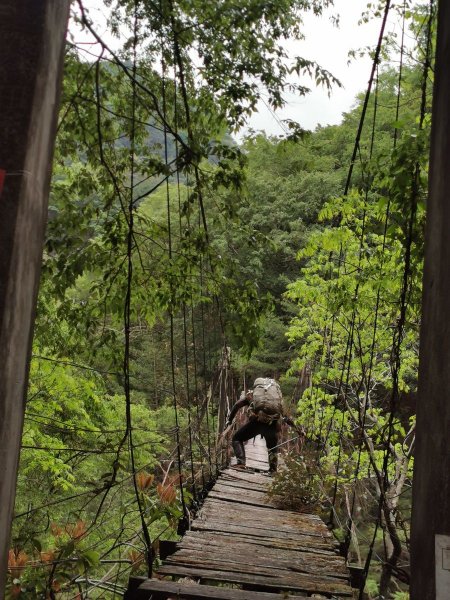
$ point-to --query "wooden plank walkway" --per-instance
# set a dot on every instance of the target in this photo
(242, 539)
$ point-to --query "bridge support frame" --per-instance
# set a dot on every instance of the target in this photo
(431, 489)
(32, 34)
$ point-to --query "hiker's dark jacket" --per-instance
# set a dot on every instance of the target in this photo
(246, 402)
(239, 404)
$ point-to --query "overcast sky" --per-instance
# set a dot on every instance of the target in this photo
(329, 46)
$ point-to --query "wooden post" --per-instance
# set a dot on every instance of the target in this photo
(431, 486)
(32, 34)
(224, 366)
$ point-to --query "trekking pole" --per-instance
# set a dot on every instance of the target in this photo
(286, 442)
(301, 435)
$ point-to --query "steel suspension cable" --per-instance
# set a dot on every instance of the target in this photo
(355, 153)
(378, 296)
(375, 61)
(362, 421)
(383, 478)
(196, 387)
(185, 334)
(205, 390)
(128, 300)
(172, 294)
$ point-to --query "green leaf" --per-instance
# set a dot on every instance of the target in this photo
(90, 558)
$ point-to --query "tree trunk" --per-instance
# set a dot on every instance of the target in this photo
(394, 551)
(391, 500)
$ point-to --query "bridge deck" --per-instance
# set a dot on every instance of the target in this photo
(242, 539)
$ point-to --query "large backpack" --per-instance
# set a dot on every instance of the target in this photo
(267, 401)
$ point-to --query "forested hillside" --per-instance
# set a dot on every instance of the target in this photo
(179, 264)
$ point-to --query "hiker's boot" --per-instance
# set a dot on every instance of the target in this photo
(239, 452)
(273, 463)
(239, 467)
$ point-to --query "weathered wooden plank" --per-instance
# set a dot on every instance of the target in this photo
(271, 519)
(244, 485)
(256, 457)
(284, 514)
(256, 448)
(301, 562)
(246, 544)
(229, 538)
(157, 589)
(300, 539)
(243, 514)
(226, 487)
(240, 487)
(255, 463)
(264, 518)
(267, 558)
(257, 460)
(261, 542)
(281, 580)
(244, 479)
(222, 563)
(267, 531)
(248, 493)
(299, 532)
(264, 522)
(222, 495)
(246, 476)
(257, 466)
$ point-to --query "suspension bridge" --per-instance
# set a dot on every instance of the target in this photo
(244, 543)
(241, 543)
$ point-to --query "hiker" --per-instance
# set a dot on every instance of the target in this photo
(265, 413)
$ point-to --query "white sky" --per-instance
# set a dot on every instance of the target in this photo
(325, 43)
(329, 46)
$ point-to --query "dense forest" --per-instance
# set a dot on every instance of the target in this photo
(180, 263)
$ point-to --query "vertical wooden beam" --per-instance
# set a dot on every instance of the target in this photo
(431, 486)
(32, 34)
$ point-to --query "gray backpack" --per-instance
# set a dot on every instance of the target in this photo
(267, 402)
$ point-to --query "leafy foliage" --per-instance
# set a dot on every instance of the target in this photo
(153, 201)
(145, 202)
